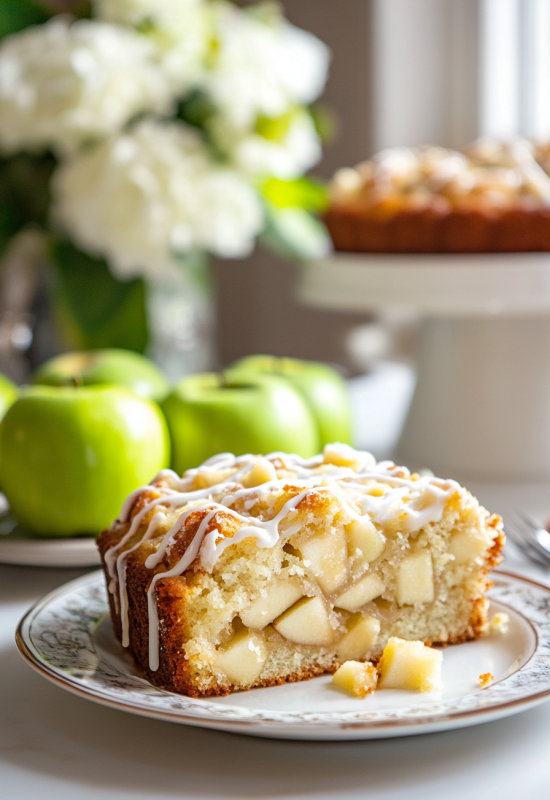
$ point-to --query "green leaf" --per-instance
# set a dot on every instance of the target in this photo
(96, 310)
(196, 109)
(294, 233)
(325, 121)
(18, 14)
(307, 193)
(15, 15)
(25, 191)
(275, 129)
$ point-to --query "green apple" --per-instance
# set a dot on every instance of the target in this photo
(238, 413)
(70, 456)
(322, 387)
(8, 393)
(95, 367)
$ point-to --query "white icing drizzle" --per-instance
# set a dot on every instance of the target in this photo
(181, 566)
(168, 498)
(121, 564)
(265, 532)
(387, 507)
(402, 498)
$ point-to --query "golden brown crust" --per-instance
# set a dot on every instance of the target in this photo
(110, 537)
(364, 230)
(494, 556)
(224, 522)
(143, 499)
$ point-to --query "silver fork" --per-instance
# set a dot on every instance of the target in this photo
(529, 537)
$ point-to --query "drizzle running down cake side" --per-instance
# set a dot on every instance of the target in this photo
(259, 570)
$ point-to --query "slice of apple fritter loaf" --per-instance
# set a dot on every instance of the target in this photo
(257, 570)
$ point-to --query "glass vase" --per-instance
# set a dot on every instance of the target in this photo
(181, 319)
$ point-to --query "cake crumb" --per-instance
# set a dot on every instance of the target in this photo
(359, 678)
(485, 679)
(499, 623)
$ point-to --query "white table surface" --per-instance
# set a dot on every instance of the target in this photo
(56, 746)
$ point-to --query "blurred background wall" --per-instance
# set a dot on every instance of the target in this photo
(256, 310)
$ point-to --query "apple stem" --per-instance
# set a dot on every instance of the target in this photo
(76, 381)
(222, 377)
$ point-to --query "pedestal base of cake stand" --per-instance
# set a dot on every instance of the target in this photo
(481, 409)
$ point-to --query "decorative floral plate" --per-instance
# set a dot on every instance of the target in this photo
(68, 638)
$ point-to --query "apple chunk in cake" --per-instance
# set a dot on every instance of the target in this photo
(257, 570)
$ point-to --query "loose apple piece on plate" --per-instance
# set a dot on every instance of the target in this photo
(279, 595)
(361, 593)
(361, 636)
(415, 582)
(307, 622)
(243, 658)
(410, 665)
(358, 678)
(327, 554)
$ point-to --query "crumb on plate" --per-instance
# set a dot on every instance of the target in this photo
(485, 679)
(499, 623)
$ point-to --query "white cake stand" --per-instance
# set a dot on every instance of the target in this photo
(481, 410)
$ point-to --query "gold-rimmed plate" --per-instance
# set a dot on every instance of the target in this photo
(67, 637)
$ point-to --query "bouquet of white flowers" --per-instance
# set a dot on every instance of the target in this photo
(161, 128)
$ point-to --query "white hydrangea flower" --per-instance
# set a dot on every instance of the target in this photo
(285, 155)
(228, 214)
(135, 12)
(263, 66)
(142, 197)
(179, 29)
(62, 83)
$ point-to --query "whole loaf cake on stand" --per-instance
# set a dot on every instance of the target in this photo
(258, 570)
(493, 197)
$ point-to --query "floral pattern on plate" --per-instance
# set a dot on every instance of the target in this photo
(59, 637)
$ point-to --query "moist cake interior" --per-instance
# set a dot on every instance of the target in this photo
(257, 570)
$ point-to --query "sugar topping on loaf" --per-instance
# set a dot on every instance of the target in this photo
(487, 174)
